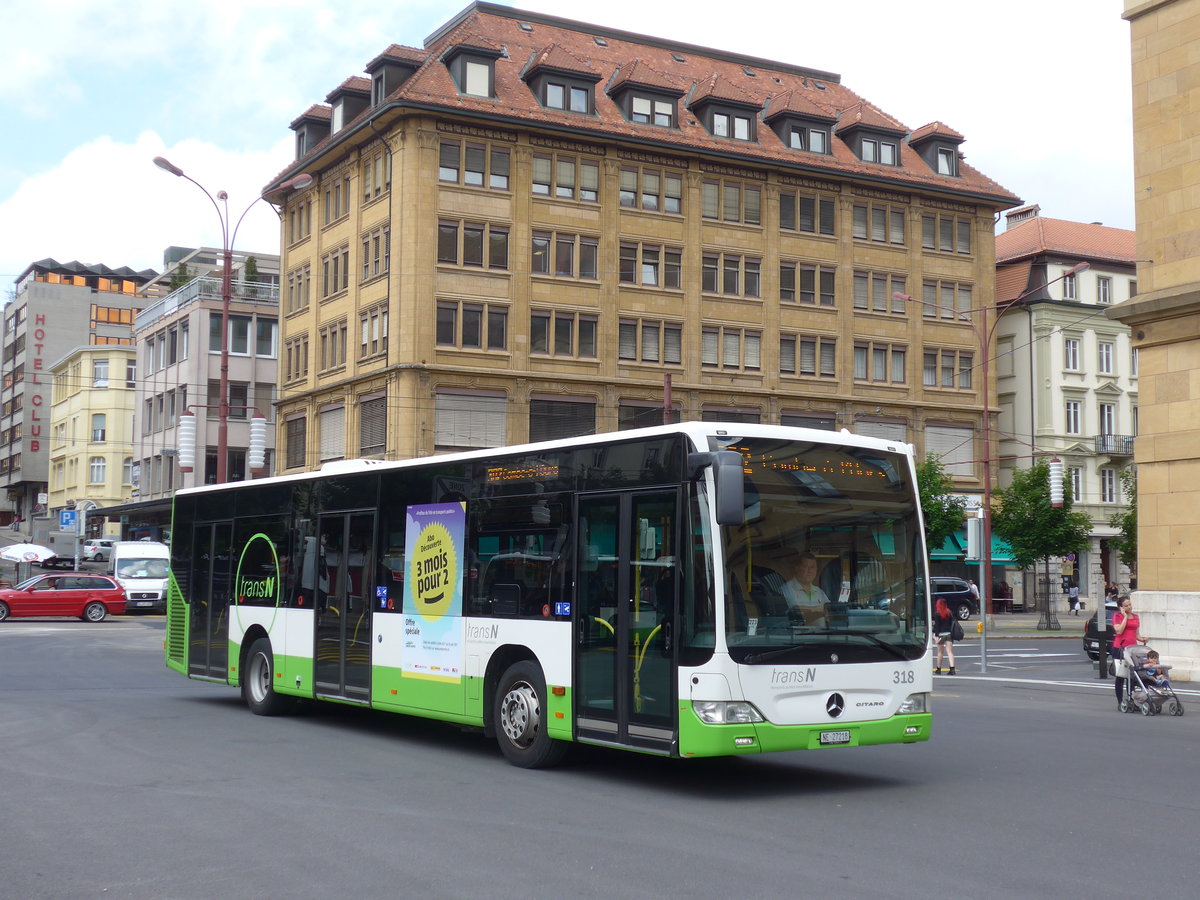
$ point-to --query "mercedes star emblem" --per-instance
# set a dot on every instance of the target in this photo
(834, 705)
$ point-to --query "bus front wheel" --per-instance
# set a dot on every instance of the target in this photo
(258, 689)
(520, 718)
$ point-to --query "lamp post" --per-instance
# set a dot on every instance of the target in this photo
(984, 333)
(228, 236)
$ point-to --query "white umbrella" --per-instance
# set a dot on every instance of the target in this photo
(26, 553)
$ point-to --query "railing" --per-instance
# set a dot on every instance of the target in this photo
(1114, 444)
(206, 288)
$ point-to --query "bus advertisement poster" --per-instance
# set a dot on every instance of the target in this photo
(433, 625)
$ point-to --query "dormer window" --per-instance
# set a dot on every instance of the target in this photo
(806, 137)
(740, 128)
(947, 161)
(937, 144)
(472, 66)
(877, 151)
(377, 91)
(477, 78)
(557, 95)
(651, 111)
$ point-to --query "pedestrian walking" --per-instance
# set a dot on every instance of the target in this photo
(1073, 598)
(944, 627)
(1125, 629)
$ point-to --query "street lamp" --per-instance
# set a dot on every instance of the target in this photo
(984, 334)
(297, 182)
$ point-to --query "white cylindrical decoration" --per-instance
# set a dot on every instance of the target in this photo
(257, 454)
(187, 440)
(1056, 483)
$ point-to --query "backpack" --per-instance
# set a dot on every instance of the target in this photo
(956, 631)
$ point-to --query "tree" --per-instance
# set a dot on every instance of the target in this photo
(1126, 521)
(250, 272)
(943, 511)
(180, 277)
(1035, 530)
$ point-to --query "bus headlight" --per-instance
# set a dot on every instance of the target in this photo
(726, 712)
(914, 703)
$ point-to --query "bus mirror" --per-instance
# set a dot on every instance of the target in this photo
(728, 474)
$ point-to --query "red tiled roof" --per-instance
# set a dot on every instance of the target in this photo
(938, 129)
(716, 87)
(626, 58)
(400, 53)
(316, 111)
(1039, 235)
(560, 60)
(354, 85)
(799, 103)
(1012, 281)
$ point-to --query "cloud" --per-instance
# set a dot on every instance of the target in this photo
(106, 202)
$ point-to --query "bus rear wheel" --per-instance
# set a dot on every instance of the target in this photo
(520, 718)
(258, 687)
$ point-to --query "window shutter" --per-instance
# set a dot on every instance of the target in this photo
(555, 419)
(470, 420)
(954, 448)
(889, 431)
(333, 433)
(372, 426)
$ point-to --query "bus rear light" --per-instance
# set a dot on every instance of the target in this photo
(726, 712)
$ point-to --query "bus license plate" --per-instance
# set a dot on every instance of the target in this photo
(835, 737)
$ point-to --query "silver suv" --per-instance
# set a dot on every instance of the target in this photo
(97, 550)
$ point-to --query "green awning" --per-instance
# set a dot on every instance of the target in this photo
(955, 548)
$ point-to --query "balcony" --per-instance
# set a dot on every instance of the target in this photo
(206, 288)
(1114, 444)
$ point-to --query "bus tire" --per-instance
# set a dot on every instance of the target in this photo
(520, 718)
(258, 686)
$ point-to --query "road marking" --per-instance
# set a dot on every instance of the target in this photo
(1107, 685)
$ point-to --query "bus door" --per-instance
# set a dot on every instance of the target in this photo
(344, 567)
(211, 595)
(627, 584)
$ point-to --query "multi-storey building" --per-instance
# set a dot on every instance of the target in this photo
(91, 430)
(532, 227)
(1066, 373)
(57, 307)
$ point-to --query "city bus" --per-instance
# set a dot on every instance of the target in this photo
(627, 590)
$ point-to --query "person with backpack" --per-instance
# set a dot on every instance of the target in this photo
(946, 630)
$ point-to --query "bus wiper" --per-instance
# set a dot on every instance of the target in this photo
(890, 648)
(783, 651)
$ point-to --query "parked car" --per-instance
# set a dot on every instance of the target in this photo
(57, 562)
(1091, 635)
(957, 594)
(82, 594)
(97, 550)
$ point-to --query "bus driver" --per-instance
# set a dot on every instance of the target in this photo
(803, 593)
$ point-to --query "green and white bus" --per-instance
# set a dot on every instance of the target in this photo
(630, 590)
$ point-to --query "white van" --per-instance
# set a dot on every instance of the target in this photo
(142, 568)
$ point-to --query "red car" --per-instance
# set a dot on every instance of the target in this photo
(82, 594)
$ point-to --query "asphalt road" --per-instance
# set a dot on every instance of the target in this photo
(119, 778)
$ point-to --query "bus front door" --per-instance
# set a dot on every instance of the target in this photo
(212, 592)
(625, 619)
(342, 654)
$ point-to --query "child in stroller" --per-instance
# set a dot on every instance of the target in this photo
(1149, 687)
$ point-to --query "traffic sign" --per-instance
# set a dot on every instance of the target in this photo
(66, 519)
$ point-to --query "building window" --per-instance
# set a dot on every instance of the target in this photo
(295, 354)
(948, 369)
(734, 349)
(946, 233)
(99, 373)
(1104, 289)
(335, 272)
(559, 333)
(473, 244)
(731, 274)
(1070, 287)
(807, 213)
(332, 343)
(1108, 418)
(564, 255)
(632, 414)
(879, 222)
(300, 221)
(555, 419)
(373, 332)
(1133, 362)
(874, 292)
(372, 426)
(806, 137)
(376, 252)
(99, 426)
(646, 110)
(651, 190)
(470, 420)
(650, 341)
(650, 265)
(266, 334)
(731, 201)
(97, 467)
(566, 177)
(332, 440)
(739, 126)
(565, 96)
(337, 199)
(879, 362)
(947, 299)
(886, 153)
(1073, 413)
(808, 355)
(1104, 357)
(472, 326)
(1108, 485)
(375, 174)
(947, 161)
(1071, 354)
(1076, 480)
(297, 295)
(295, 433)
(954, 446)
(474, 165)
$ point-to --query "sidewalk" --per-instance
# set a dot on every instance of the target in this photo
(1025, 625)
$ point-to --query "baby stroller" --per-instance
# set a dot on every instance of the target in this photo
(1143, 691)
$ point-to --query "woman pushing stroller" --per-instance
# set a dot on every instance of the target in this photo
(1125, 629)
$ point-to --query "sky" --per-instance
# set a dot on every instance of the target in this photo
(1040, 89)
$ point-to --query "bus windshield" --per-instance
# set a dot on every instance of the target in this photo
(828, 563)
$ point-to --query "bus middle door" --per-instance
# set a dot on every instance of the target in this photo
(625, 618)
(344, 566)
